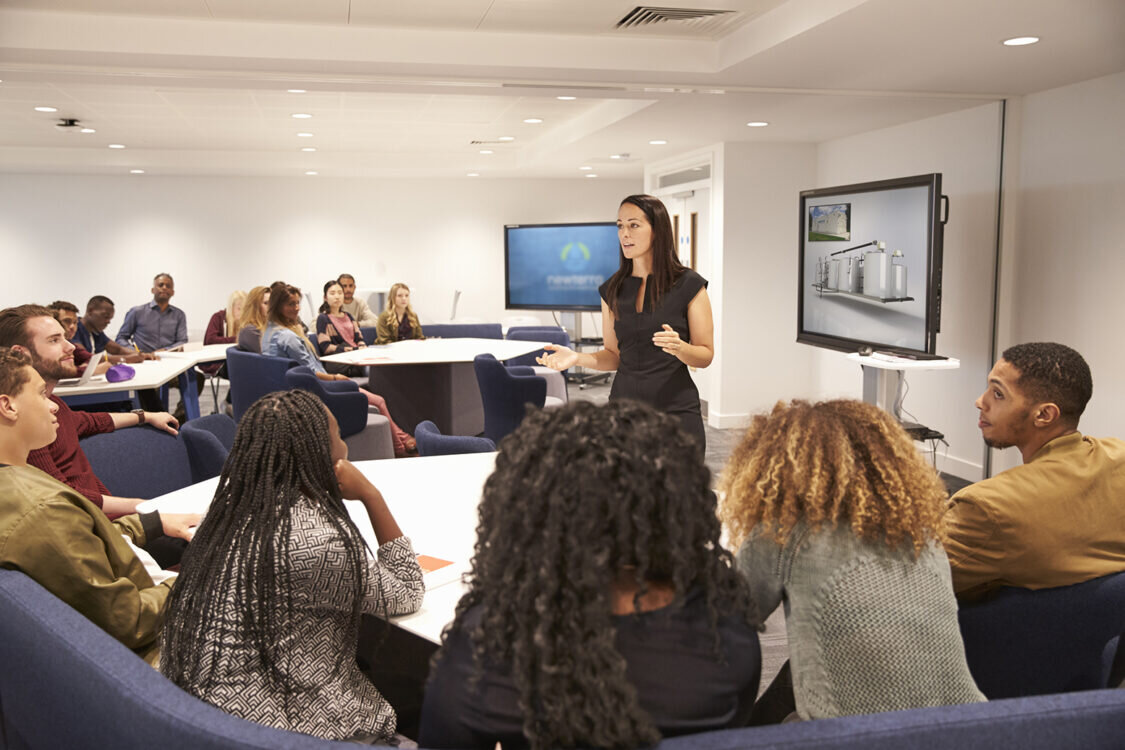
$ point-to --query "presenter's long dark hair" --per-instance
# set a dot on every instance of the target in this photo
(238, 558)
(580, 496)
(666, 267)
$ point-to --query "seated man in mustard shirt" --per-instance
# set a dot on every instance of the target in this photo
(1060, 517)
(58, 537)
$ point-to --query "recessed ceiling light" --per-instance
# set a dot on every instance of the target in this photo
(529, 121)
(136, 171)
(486, 151)
(312, 174)
(757, 124)
(296, 91)
(473, 174)
(46, 109)
(301, 116)
(591, 175)
(309, 148)
(615, 156)
(117, 145)
(304, 135)
(1020, 41)
(658, 143)
(585, 169)
(566, 98)
(506, 138)
(87, 130)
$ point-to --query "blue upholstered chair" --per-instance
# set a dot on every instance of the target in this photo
(65, 683)
(463, 331)
(140, 461)
(432, 443)
(369, 333)
(1024, 642)
(367, 433)
(505, 393)
(254, 375)
(1113, 662)
(208, 440)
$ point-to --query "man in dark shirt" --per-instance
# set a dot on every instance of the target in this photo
(91, 333)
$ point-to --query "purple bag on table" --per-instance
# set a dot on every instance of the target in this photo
(118, 373)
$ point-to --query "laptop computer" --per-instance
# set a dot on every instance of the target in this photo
(87, 374)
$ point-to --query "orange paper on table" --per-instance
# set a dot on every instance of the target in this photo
(430, 564)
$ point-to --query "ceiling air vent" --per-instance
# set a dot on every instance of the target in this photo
(699, 20)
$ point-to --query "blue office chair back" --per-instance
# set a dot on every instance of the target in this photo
(65, 683)
(505, 393)
(253, 376)
(1023, 642)
(139, 462)
(347, 404)
(208, 440)
(432, 443)
(555, 335)
(369, 333)
(463, 331)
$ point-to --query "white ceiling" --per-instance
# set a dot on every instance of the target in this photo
(402, 88)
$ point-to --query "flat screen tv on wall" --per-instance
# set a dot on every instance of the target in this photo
(558, 266)
(870, 265)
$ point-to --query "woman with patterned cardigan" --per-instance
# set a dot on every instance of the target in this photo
(264, 619)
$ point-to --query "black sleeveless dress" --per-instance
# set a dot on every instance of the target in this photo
(646, 373)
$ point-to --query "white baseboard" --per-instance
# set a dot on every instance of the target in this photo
(958, 467)
(727, 421)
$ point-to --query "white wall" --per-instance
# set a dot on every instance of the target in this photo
(965, 147)
(73, 237)
(757, 358)
(1069, 249)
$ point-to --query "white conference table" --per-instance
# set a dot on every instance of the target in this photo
(154, 373)
(432, 378)
(434, 500)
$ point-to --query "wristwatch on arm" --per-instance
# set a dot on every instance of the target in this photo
(140, 416)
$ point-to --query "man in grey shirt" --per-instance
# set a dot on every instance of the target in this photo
(355, 306)
(155, 327)
(158, 325)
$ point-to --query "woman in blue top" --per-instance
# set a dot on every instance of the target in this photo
(283, 337)
(656, 319)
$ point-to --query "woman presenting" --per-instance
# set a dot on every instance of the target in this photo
(656, 319)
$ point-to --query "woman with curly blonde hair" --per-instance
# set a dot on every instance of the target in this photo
(834, 511)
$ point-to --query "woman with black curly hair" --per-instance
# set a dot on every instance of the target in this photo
(263, 621)
(602, 610)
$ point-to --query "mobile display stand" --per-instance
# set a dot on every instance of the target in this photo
(883, 376)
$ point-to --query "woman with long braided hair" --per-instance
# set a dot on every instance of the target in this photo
(837, 514)
(263, 621)
(601, 611)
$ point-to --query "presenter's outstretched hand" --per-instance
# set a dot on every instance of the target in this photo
(558, 357)
(668, 341)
